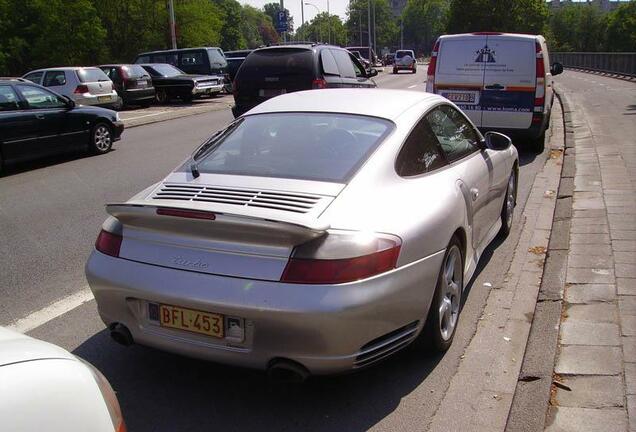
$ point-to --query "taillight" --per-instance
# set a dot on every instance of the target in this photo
(323, 261)
(108, 243)
(319, 83)
(81, 89)
(539, 96)
(430, 73)
(190, 214)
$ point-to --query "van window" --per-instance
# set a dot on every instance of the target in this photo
(192, 58)
(345, 65)
(329, 66)
(142, 59)
(216, 57)
(170, 58)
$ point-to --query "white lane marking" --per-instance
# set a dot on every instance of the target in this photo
(414, 85)
(52, 311)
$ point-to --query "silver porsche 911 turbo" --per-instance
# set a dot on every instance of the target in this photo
(318, 233)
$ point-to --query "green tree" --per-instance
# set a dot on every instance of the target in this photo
(577, 28)
(387, 32)
(256, 27)
(515, 16)
(621, 28)
(231, 35)
(320, 26)
(423, 21)
(199, 23)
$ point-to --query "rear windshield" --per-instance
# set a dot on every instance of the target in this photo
(401, 54)
(261, 64)
(216, 57)
(323, 147)
(134, 71)
(92, 75)
(166, 70)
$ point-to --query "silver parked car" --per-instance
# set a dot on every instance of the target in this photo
(317, 233)
(85, 85)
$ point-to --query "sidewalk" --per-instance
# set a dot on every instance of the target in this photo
(594, 386)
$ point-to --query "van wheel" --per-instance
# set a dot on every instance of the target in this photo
(538, 144)
(443, 314)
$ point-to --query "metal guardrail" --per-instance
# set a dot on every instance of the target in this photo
(609, 62)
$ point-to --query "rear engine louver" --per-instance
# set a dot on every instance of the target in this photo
(291, 202)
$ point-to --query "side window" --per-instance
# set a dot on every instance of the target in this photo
(329, 66)
(356, 65)
(420, 153)
(454, 133)
(8, 99)
(35, 77)
(54, 78)
(345, 66)
(38, 98)
(142, 59)
(192, 58)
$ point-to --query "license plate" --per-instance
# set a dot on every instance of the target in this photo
(271, 92)
(103, 98)
(461, 97)
(191, 320)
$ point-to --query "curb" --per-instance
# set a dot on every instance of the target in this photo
(624, 77)
(532, 395)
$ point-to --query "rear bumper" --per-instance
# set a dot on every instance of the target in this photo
(110, 100)
(199, 91)
(326, 328)
(405, 67)
(533, 132)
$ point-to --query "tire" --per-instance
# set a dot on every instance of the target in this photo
(187, 98)
(1, 166)
(145, 104)
(508, 208)
(538, 144)
(439, 330)
(395, 71)
(101, 138)
(161, 96)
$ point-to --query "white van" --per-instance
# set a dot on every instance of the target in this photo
(502, 81)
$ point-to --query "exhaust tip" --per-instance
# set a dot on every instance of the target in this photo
(121, 334)
(287, 371)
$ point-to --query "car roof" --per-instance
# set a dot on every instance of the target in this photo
(516, 35)
(175, 50)
(63, 68)
(383, 103)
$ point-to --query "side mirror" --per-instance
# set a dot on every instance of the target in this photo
(497, 141)
(556, 68)
(372, 73)
(70, 103)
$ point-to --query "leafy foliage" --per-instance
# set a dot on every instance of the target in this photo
(514, 16)
(424, 21)
(388, 32)
(318, 29)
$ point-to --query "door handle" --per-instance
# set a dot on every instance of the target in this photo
(494, 87)
(474, 194)
(39, 116)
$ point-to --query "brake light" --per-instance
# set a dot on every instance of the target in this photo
(108, 243)
(341, 257)
(539, 96)
(430, 74)
(81, 89)
(190, 214)
(319, 83)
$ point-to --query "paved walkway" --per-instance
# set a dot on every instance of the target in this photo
(595, 370)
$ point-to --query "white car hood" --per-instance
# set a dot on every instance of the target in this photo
(16, 347)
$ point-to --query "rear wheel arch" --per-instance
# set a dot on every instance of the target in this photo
(460, 234)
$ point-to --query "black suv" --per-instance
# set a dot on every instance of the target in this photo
(272, 71)
(35, 122)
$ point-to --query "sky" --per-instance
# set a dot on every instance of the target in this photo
(336, 7)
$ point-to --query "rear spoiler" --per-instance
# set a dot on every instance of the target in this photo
(141, 213)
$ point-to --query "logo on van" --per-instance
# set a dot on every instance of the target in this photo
(485, 55)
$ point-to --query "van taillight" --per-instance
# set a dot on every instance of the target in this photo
(108, 243)
(81, 89)
(430, 73)
(319, 83)
(539, 95)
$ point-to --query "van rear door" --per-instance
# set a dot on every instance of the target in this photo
(460, 73)
(507, 100)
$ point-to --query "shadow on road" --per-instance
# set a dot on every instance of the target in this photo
(14, 168)
(159, 391)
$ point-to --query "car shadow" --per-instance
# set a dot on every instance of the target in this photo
(14, 168)
(159, 391)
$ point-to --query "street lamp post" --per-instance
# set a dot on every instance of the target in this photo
(318, 11)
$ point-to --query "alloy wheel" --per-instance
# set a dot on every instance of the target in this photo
(450, 297)
(510, 200)
(102, 138)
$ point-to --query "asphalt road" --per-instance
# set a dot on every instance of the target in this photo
(50, 214)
